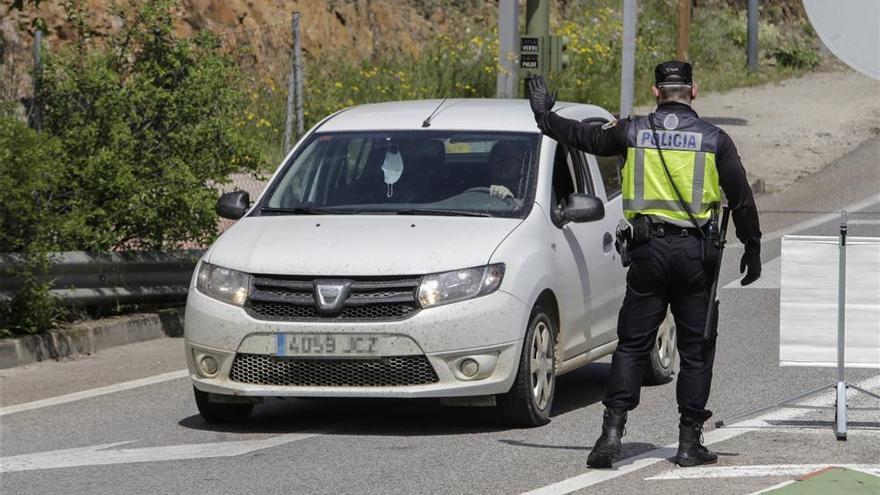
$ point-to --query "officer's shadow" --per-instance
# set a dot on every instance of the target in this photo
(581, 388)
(576, 390)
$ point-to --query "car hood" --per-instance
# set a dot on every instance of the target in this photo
(351, 245)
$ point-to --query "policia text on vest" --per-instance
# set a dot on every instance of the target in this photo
(672, 182)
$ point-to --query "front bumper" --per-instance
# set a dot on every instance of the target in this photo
(489, 329)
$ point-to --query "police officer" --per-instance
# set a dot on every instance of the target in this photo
(677, 165)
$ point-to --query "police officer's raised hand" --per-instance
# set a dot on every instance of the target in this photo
(539, 96)
(750, 261)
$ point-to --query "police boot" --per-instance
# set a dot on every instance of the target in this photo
(691, 451)
(608, 445)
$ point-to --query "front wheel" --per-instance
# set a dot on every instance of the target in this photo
(216, 412)
(530, 399)
(661, 365)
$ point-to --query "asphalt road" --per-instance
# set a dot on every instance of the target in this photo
(147, 437)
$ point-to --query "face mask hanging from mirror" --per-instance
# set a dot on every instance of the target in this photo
(392, 168)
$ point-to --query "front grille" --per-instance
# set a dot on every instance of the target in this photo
(262, 369)
(286, 298)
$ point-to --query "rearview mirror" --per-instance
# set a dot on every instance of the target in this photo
(233, 205)
(583, 208)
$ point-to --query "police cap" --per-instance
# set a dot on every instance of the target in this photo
(673, 72)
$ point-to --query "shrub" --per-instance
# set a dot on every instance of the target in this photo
(138, 130)
(28, 176)
(146, 127)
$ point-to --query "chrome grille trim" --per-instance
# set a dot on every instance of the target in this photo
(290, 298)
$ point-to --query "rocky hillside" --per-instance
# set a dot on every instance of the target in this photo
(357, 26)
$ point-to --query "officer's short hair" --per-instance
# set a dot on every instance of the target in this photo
(671, 92)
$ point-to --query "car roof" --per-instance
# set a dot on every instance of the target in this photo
(455, 114)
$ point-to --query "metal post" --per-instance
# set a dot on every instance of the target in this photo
(538, 17)
(37, 109)
(294, 89)
(538, 24)
(298, 76)
(840, 427)
(753, 36)
(684, 30)
(291, 89)
(508, 28)
(628, 58)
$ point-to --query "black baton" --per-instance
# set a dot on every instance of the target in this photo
(711, 314)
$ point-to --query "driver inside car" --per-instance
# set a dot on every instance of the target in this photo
(505, 168)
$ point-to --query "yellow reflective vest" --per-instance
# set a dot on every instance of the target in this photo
(689, 145)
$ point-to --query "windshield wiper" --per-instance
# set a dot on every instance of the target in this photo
(299, 210)
(439, 212)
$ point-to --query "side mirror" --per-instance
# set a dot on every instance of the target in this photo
(233, 205)
(583, 208)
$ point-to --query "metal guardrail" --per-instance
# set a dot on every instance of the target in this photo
(97, 279)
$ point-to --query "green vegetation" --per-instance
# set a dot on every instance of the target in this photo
(461, 61)
(137, 132)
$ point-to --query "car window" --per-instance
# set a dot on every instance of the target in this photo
(565, 174)
(387, 172)
(609, 169)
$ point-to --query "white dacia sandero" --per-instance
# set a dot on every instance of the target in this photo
(415, 249)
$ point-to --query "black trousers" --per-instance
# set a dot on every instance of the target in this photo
(665, 272)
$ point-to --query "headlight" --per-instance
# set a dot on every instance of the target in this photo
(458, 285)
(223, 284)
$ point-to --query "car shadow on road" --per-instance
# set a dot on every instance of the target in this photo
(399, 417)
(385, 417)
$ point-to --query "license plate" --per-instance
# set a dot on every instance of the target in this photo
(333, 345)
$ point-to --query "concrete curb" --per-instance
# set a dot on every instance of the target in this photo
(90, 336)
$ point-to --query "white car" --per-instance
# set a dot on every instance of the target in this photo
(415, 249)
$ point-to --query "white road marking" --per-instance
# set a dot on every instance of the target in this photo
(759, 471)
(862, 221)
(95, 392)
(629, 465)
(774, 487)
(102, 455)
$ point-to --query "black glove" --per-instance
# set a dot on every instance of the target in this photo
(539, 95)
(751, 260)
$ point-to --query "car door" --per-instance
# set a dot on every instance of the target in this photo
(586, 268)
(605, 177)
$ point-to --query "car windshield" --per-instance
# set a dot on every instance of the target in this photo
(456, 173)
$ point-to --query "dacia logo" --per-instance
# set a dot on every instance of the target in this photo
(330, 295)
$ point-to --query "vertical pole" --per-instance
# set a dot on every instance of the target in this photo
(840, 427)
(298, 76)
(753, 36)
(291, 89)
(628, 58)
(538, 17)
(684, 30)
(508, 28)
(37, 112)
(538, 24)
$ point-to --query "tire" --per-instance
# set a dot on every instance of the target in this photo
(214, 412)
(661, 365)
(527, 404)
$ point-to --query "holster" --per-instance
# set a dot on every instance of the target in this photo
(642, 229)
(622, 243)
(711, 245)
